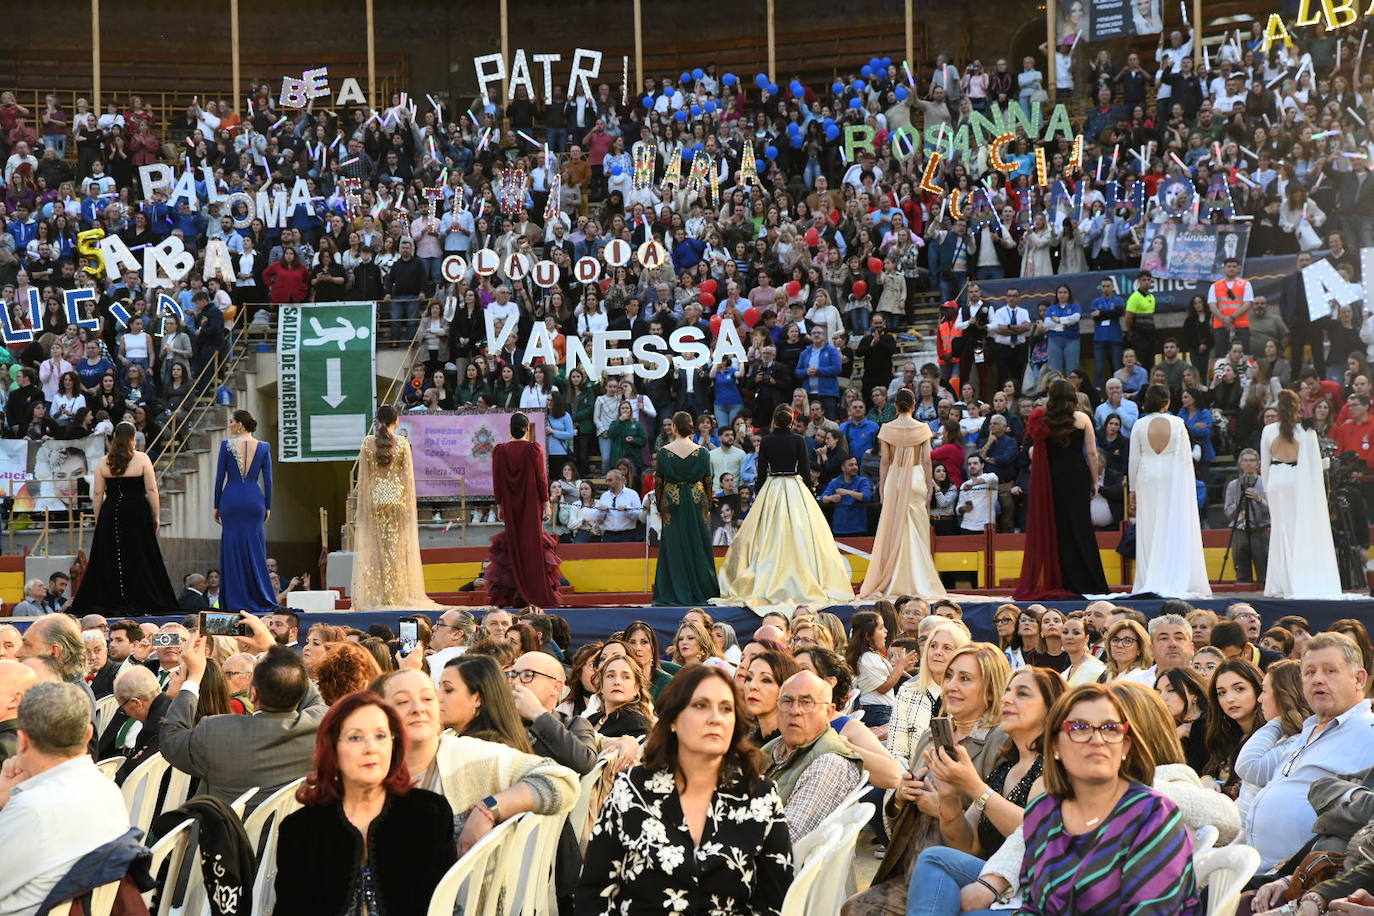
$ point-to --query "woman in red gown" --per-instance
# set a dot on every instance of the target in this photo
(524, 566)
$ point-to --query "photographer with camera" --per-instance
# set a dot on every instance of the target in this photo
(1247, 510)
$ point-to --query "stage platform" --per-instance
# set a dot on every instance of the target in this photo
(593, 623)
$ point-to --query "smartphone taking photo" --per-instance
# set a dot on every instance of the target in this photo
(219, 623)
(942, 733)
(410, 634)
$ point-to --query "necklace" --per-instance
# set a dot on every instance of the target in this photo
(965, 726)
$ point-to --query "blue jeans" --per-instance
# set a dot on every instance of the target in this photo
(605, 444)
(951, 287)
(810, 171)
(858, 321)
(1106, 359)
(557, 138)
(725, 414)
(57, 142)
(405, 318)
(940, 872)
(1064, 353)
(991, 273)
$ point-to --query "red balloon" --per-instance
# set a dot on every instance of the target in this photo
(715, 325)
(706, 300)
(813, 237)
(793, 287)
(860, 289)
(708, 286)
(751, 316)
(875, 265)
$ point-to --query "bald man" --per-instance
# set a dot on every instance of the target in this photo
(15, 680)
(139, 696)
(537, 683)
(768, 631)
(1099, 617)
(812, 766)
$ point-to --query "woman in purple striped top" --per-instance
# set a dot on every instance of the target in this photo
(1100, 842)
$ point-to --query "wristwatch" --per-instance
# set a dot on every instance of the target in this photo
(981, 801)
(491, 805)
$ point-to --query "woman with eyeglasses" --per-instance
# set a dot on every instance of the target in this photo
(1128, 653)
(1004, 622)
(1084, 836)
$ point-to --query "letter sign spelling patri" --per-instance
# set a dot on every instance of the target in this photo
(327, 379)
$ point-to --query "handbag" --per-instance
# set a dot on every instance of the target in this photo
(1314, 868)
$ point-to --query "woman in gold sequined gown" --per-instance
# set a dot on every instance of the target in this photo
(686, 572)
(387, 573)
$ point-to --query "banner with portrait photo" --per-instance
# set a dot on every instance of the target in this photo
(57, 475)
(1107, 19)
(1191, 253)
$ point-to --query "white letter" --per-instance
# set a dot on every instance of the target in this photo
(212, 192)
(688, 344)
(728, 344)
(118, 257)
(167, 262)
(350, 91)
(249, 211)
(652, 363)
(546, 60)
(1323, 284)
(602, 351)
(217, 262)
(493, 344)
(300, 197)
(185, 190)
(316, 82)
(153, 177)
(483, 77)
(580, 73)
(541, 346)
(520, 76)
(273, 209)
(577, 358)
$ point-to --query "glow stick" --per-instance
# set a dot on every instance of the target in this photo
(624, 80)
(1274, 80)
(1183, 8)
(1116, 151)
(250, 106)
(475, 122)
(1326, 133)
(1356, 116)
(1206, 59)
(280, 122)
(909, 77)
(347, 163)
(337, 138)
(1177, 161)
(527, 138)
(1250, 153)
(1338, 53)
(1240, 176)
(1355, 155)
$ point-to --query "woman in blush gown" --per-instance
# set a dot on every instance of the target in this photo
(243, 504)
(1302, 554)
(902, 562)
(1061, 557)
(1169, 561)
(387, 573)
(784, 554)
(125, 576)
(686, 572)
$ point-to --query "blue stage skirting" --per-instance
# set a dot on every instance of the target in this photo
(590, 624)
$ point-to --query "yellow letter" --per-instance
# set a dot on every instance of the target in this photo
(1305, 16)
(1275, 30)
(927, 179)
(1338, 14)
(995, 154)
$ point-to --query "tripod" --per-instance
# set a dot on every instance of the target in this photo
(1243, 510)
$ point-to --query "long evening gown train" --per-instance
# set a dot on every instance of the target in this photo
(243, 504)
(1302, 553)
(125, 575)
(686, 572)
(1169, 560)
(1061, 557)
(902, 562)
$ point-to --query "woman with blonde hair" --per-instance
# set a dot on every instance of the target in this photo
(1128, 653)
(694, 643)
(626, 707)
(919, 698)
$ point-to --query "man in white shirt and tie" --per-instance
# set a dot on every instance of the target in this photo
(1009, 326)
(619, 510)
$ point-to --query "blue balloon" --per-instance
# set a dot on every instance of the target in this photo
(669, 91)
(856, 103)
(681, 115)
(696, 111)
(793, 128)
(698, 146)
(860, 85)
(772, 88)
(617, 169)
(761, 80)
(866, 71)
(688, 152)
(760, 166)
(797, 88)
(902, 93)
(832, 132)
(829, 122)
(875, 62)
(770, 152)
(648, 101)
(837, 87)
(686, 77)
(710, 106)
(885, 62)
(796, 142)
(729, 79)
(698, 73)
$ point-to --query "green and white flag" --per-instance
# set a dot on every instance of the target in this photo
(327, 373)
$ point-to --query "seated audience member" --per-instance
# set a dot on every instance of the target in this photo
(100, 670)
(761, 683)
(698, 761)
(494, 779)
(919, 697)
(1334, 740)
(811, 765)
(1234, 713)
(626, 706)
(15, 680)
(1171, 642)
(1231, 639)
(231, 754)
(883, 769)
(55, 806)
(346, 668)
(138, 697)
(1128, 653)
(1184, 692)
(359, 787)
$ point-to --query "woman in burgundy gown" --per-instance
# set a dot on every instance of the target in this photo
(1061, 558)
(524, 566)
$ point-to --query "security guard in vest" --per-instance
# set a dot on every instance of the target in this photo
(1229, 300)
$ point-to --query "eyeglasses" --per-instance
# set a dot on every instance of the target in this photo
(1123, 641)
(801, 704)
(1001, 620)
(528, 675)
(236, 673)
(1081, 732)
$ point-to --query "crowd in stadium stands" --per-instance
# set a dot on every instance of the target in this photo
(1036, 766)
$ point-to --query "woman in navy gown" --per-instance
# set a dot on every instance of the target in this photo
(242, 506)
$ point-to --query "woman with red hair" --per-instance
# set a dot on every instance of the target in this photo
(366, 841)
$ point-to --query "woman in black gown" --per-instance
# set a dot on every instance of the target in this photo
(1061, 558)
(125, 575)
(784, 554)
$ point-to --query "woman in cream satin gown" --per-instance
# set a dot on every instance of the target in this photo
(1169, 560)
(902, 561)
(784, 554)
(387, 573)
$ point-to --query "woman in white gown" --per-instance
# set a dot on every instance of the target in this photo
(1169, 560)
(902, 563)
(1302, 555)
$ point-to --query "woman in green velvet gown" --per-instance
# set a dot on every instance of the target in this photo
(686, 573)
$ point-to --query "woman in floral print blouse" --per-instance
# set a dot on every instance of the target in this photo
(695, 829)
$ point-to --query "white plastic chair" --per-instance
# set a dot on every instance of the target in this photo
(530, 889)
(590, 786)
(102, 901)
(172, 849)
(178, 788)
(110, 766)
(141, 790)
(1224, 872)
(1204, 839)
(464, 887)
(240, 804)
(105, 708)
(797, 901)
(262, 826)
(853, 798)
(831, 891)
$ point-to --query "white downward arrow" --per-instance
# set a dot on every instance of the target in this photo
(333, 382)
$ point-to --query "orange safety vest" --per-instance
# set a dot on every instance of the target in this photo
(1229, 300)
(946, 335)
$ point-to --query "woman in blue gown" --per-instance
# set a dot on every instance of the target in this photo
(242, 506)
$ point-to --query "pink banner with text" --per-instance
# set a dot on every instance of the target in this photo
(452, 451)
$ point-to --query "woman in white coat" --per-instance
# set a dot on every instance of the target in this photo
(1169, 560)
